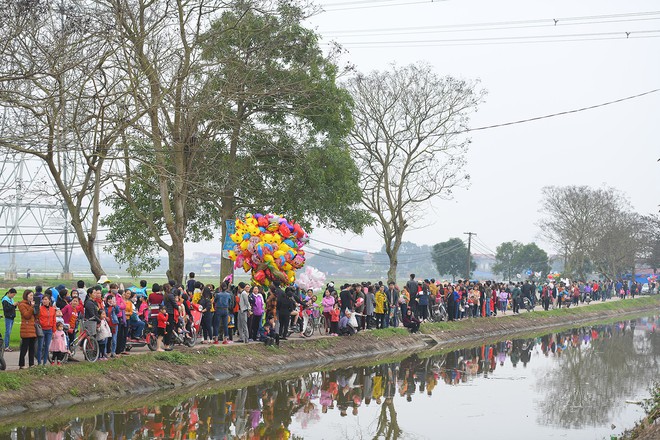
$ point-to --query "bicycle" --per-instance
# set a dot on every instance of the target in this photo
(89, 344)
(315, 321)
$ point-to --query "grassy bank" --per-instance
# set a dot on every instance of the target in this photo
(623, 306)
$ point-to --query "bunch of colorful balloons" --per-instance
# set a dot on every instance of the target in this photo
(269, 247)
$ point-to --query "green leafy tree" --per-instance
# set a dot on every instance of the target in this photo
(514, 258)
(269, 128)
(450, 258)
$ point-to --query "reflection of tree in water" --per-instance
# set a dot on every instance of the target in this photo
(388, 426)
(591, 379)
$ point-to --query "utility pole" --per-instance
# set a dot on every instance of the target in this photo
(467, 271)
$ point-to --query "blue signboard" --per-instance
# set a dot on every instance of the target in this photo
(228, 244)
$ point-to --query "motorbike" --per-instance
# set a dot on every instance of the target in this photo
(187, 337)
(438, 312)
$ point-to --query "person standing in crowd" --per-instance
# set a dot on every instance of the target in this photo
(244, 310)
(190, 284)
(285, 305)
(393, 301)
(222, 303)
(346, 299)
(328, 303)
(171, 304)
(516, 298)
(9, 311)
(423, 304)
(257, 304)
(47, 321)
(28, 331)
(488, 296)
(381, 307)
(207, 316)
(412, 291)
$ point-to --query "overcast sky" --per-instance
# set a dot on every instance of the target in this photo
(616, 145)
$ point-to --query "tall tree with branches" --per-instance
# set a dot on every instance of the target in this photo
(62, 98)
(409, 145)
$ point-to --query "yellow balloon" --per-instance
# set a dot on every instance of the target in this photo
(287, 267)
(244, 244)
(232, 255)
(246, 266)
(278, 253)
(268, 258)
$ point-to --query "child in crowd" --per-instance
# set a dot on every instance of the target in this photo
(162, 326)
(268, 335)
(103, 335)
(334, 320)
(58, 346)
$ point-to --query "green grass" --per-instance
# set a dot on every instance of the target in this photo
(390, 331)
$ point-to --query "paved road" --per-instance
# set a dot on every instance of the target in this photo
(12, 358)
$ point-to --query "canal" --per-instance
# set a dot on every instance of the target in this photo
(583, 383)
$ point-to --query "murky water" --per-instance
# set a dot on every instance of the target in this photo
(567, 385)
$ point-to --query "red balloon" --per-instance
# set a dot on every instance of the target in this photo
(259, 276)
(284, 231)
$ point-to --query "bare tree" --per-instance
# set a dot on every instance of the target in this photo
(592, 228)
(63, 101)
(408, 144)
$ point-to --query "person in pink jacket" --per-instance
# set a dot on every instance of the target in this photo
(122, 327)
(328, 303)
(59, 345)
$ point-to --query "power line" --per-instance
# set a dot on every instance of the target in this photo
(365, 45)
(432, 30)
(552, 115)
(387, 5)
(507, 25)
(511, 39)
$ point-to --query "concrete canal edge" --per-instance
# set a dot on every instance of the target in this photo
(152, 377)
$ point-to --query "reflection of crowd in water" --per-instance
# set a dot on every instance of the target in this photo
(269, 410)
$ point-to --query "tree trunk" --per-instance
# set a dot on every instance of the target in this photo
(226, 265)
(94, 263)
(392, 250)
(176, 261)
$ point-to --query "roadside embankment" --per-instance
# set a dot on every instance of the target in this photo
(178, 373)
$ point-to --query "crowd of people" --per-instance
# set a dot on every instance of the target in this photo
(51, 318)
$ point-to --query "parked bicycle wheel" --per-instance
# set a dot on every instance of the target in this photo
(192, 339)
(64, 360)
(309, 330)
(90, 349)
(152, 341)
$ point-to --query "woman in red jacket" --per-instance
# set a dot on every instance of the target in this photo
(47, 320)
